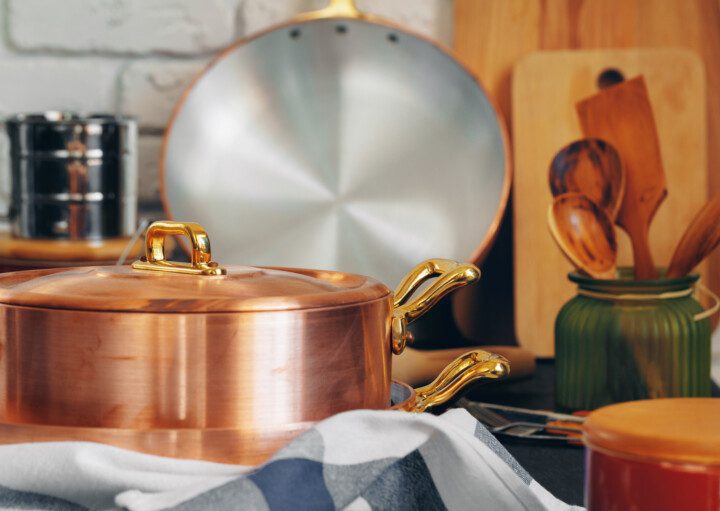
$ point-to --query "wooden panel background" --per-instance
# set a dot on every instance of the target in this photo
(491, 35)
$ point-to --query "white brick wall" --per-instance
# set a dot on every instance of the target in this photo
(57, 84)
(122, 26)
(149, 89)
(431, 17)
(137, 56)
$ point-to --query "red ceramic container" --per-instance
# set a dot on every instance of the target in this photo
(658, 455)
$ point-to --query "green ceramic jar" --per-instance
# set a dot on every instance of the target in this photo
(621, 340)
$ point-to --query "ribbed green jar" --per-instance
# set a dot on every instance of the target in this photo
(621, 340)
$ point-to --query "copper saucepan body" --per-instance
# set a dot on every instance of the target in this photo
(203, 353)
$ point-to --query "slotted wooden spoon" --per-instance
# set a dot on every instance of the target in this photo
(622, 115)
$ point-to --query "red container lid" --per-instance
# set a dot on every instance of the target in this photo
(685, 430)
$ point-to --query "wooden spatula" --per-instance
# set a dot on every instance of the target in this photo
(622, 115)
(700, 238)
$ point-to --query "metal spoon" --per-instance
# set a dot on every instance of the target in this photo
(700, 238)
(590, 166)
(585, 234)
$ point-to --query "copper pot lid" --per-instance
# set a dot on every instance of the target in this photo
(155, 284)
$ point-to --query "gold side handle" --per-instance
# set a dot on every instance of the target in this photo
(467, 368)
(201, 262)
(334, 9)
(450, 275)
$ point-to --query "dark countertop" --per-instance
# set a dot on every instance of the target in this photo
(559, 468)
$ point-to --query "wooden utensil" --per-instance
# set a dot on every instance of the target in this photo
(585, 234)
(700, 238)
(622, 115)
(592, 167)
(417, 367)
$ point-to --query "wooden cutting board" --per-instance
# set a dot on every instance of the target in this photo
(545, 88)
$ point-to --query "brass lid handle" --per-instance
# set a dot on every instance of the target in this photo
(200, 259)
(450, 275)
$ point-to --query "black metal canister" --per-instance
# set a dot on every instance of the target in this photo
(73, 176)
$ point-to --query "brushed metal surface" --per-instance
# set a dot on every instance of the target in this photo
(265, 373)
(224, 445)
(340, 144)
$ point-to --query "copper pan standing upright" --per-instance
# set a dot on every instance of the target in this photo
(361, 145)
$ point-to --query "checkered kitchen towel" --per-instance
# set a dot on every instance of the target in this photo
(356, 460)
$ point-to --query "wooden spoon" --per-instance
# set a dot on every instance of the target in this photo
(585, 234)
(622, 115)
(700, 238)
(592, 167)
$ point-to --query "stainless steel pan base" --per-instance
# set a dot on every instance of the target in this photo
(338, 143)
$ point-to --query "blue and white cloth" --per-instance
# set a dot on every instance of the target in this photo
(357, 460)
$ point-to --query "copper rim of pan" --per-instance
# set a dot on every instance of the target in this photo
(481, 251)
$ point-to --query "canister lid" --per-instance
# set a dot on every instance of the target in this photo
(242, 289)
(61, 135)
(684, 430)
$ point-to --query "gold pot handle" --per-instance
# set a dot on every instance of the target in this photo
(450, 275)
(469, 367)
(201, 262)
(334, 9)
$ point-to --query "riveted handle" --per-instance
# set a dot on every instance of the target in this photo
(460, 372)
(450, 275)
(200, 258)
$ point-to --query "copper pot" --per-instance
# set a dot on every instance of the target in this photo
(194, 348)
